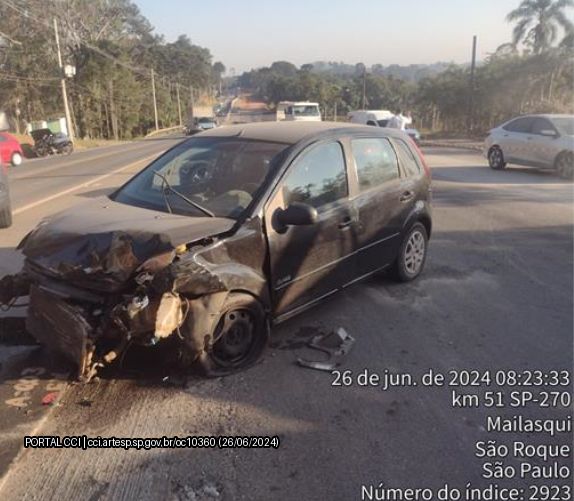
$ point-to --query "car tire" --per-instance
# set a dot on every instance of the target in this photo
(6, 217)
(16, 159)
(565, 165)
(239, 338)
(496, 158)
(412, 254)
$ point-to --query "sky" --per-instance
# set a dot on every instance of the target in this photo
(254, 33)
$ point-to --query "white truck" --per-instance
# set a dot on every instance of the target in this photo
(299, 111)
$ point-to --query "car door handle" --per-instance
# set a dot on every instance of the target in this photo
(407, 196)
(345, 223)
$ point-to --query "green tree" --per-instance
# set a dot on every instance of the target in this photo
(538, 23)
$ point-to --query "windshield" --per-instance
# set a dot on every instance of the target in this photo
(223, 175)
(565, 125)
(306, 110)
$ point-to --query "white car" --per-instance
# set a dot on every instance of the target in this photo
(544, 141)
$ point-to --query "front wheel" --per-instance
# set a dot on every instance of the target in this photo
(6, 216)
(565, 165)
(412, 254)
(67, 149)
(16, 159)
(496, 158)
(239, 338)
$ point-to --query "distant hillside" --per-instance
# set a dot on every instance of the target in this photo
(411, 73)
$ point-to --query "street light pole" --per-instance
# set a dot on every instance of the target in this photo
(64, 90)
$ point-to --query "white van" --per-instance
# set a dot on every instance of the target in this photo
(379, 118)
(302, 111)
(370, 117)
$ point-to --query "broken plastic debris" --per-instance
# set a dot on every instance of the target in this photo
(335, 344)
(137, 304)
(169, 315)
(50, 398)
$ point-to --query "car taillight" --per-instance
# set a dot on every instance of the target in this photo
(422, 158)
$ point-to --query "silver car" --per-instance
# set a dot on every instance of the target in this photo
(544, 141)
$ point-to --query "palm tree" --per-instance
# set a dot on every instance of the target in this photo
(538, 21)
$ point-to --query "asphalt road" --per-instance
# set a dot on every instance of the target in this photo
(497, 294)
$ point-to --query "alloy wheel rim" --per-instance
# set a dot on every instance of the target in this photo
(16, 159)
(565, 167)
(495, 158)
(414, 252)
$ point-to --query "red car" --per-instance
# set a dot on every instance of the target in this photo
(10, 149)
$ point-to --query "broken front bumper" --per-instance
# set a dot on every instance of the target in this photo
(61, 326)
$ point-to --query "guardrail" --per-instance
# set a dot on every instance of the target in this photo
(164, 131)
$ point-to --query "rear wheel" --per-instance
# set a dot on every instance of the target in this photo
(565, 165)
(68, 149)
(6, 216)
(16, 159)
(41, 151)
(239, 338)
(412, 254)
(496, 158)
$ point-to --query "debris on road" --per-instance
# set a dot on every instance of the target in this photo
(335, 344)
(50, 398)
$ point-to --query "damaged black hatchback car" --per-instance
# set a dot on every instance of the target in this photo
(222, 236)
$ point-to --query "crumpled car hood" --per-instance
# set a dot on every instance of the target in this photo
(100, 244)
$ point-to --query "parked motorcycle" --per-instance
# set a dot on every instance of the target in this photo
(48, 143)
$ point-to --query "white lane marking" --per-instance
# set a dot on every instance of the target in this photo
(83, 185)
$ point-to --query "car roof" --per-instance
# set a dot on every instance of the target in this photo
(545, 115)
(294, 132)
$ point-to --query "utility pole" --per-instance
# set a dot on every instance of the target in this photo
(192, 101)
(64, 90)
(364, 87)
(470, 118)
(154, 100)
(178, 103)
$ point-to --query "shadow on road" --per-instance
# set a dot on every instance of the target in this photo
(482, 174)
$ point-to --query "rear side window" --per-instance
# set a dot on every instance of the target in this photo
(318, 177)
(519, 125)
(376, 162)
(407, 159)
(541, 124)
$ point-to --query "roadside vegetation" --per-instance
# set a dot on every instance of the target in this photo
(532, 73)
(114, 49)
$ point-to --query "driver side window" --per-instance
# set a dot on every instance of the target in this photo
(319, 177)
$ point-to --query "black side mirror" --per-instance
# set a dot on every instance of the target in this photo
(296, 214)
